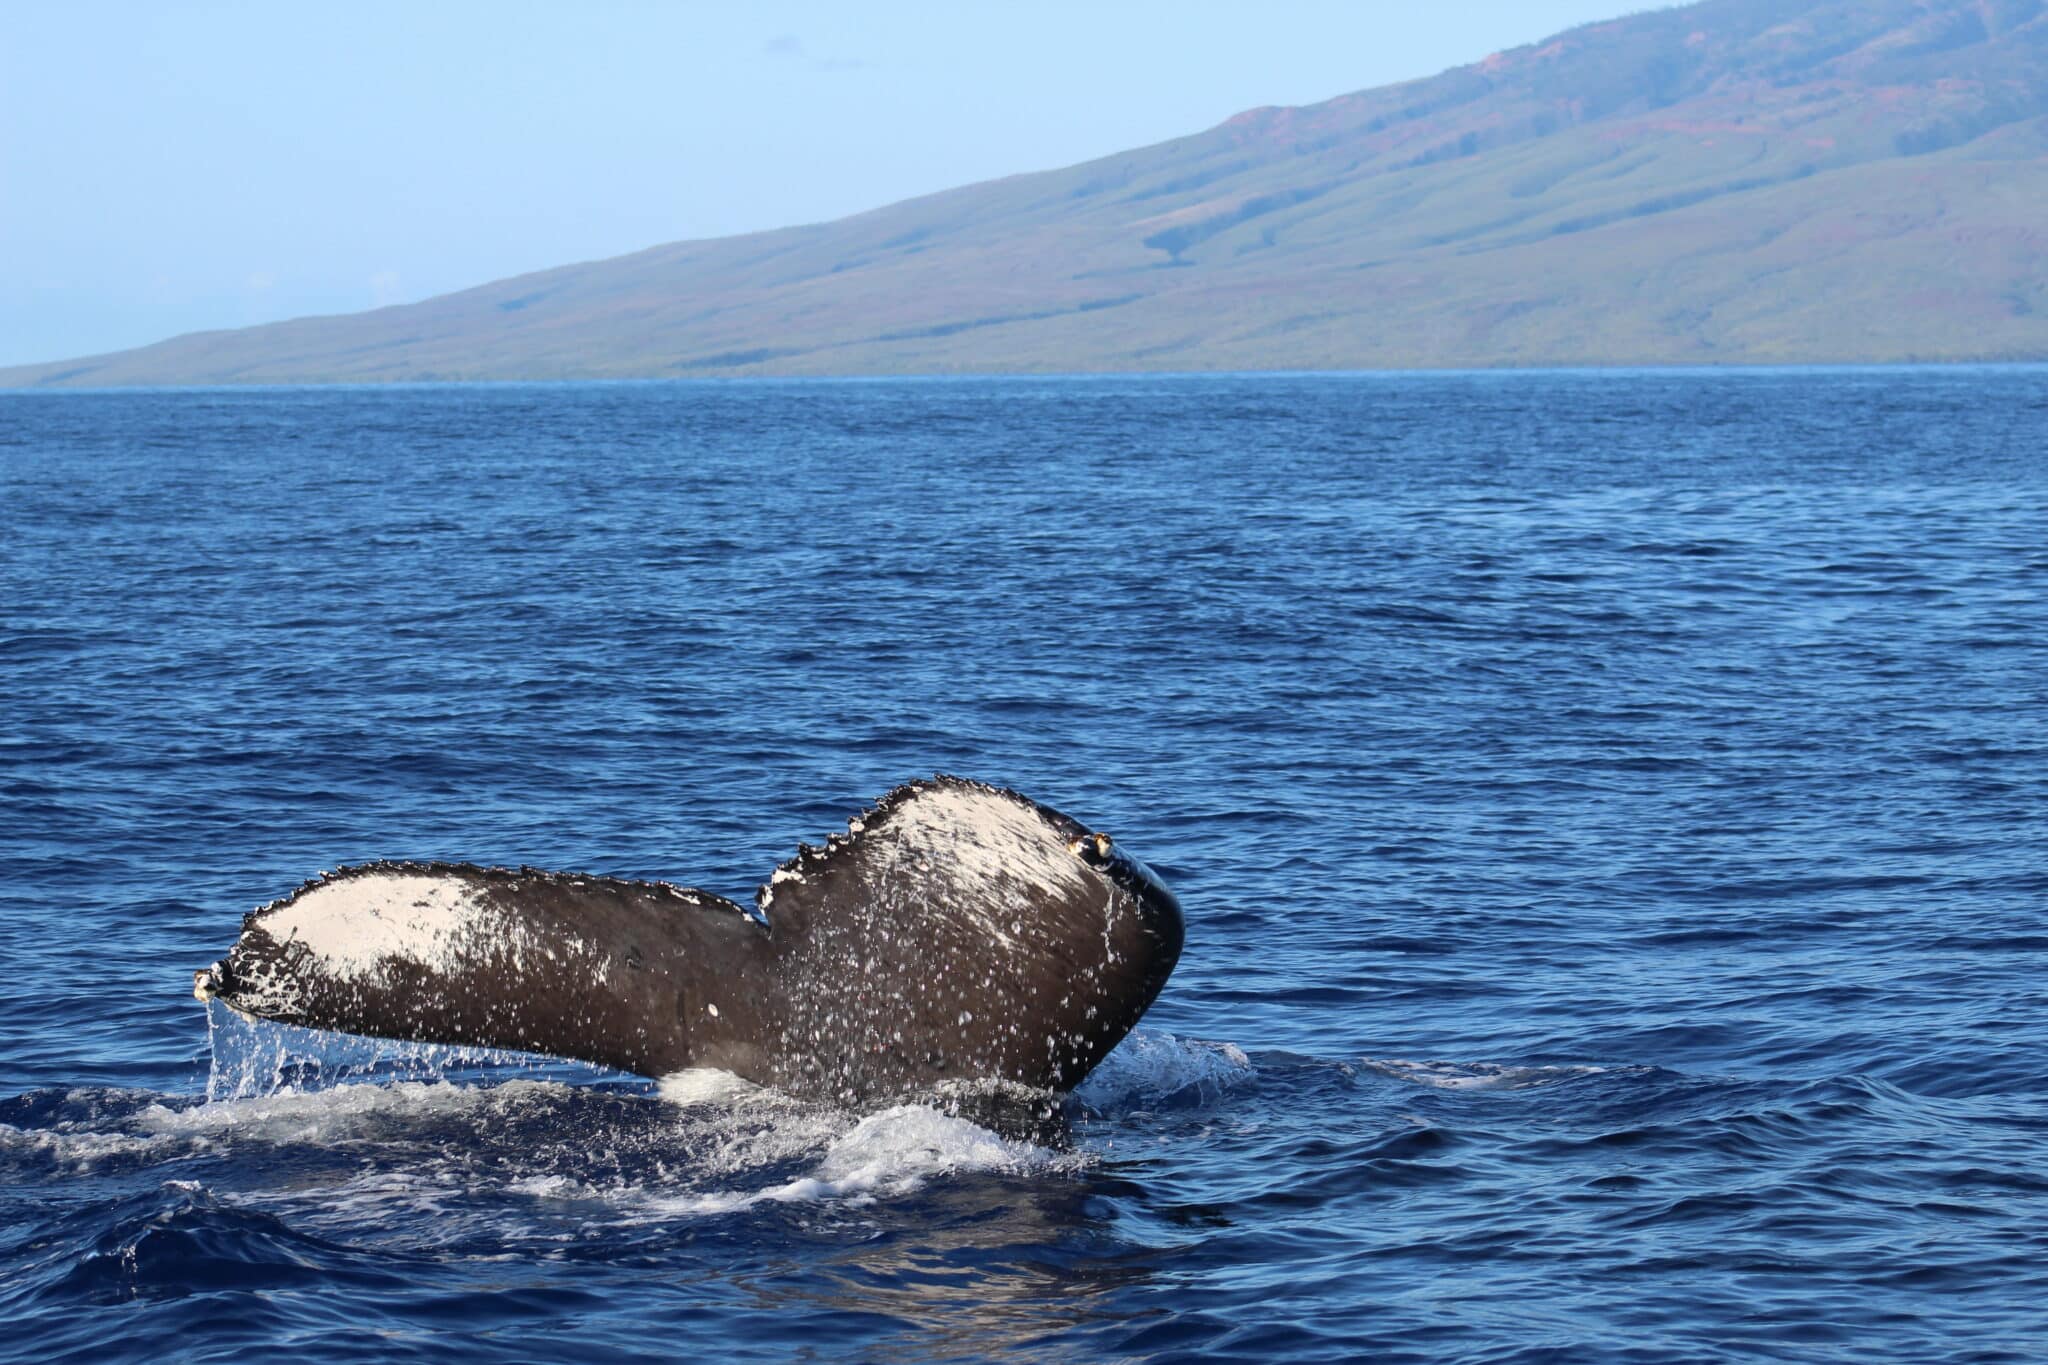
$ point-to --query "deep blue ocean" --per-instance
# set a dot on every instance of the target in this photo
(1611, 811)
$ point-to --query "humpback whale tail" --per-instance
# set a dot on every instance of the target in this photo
(957, 931)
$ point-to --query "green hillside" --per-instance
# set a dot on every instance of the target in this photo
(1739, 181)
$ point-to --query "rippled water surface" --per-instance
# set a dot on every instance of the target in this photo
(1609, 809)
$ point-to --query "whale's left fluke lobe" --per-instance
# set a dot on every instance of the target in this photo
(958, 931)
(491, 957)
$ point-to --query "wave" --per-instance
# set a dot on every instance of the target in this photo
(180, 1238)
(1154, 1069)
(1477, 1075)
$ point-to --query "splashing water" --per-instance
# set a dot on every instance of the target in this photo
(252, 1058)
(696, 1144)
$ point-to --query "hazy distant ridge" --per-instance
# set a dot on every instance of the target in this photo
(1739, 181)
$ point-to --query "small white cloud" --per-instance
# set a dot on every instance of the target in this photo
(784, 45)
(384, 288)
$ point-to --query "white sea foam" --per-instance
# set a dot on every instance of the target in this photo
(79, 1149)
(899, 1149)
(727, 1128)
(887, 1155)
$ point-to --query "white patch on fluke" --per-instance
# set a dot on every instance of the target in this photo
(354, 925)
(992, 843)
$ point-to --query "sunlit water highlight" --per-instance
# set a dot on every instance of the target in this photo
(1608, 809)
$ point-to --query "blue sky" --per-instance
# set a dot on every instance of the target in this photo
(166, 169)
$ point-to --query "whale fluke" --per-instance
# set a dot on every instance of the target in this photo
(958, 931)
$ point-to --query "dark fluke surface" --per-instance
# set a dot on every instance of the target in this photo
(1608, 809)
(1734, 182)
(956, 932)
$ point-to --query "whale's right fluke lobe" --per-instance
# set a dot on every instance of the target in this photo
(963, 930)
(958, 931)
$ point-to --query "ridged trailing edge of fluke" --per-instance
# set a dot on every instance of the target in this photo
(957, 931)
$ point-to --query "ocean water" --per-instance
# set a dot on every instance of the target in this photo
(1609, 810)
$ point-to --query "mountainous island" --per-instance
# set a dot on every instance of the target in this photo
(1733, 182)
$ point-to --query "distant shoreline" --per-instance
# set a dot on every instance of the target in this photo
(1732, 369)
